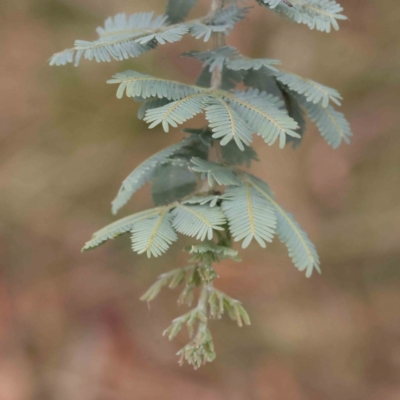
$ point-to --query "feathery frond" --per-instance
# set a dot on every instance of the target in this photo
(332, 124)
(301, 250)
(153, 236)
(177, 112)
(198, 221)
(222, 21)
(178, 10)
(174, 34)
(215, 173)
(62, 58)
(313, 91)
(116, 40)
(119, 227)
(264, 118)
(107, 48)
(228, 124)
(133, 25)
(144, 173)
(249, 215)
(136, 84)
(322, 15)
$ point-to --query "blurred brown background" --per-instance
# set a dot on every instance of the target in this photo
(72, 325)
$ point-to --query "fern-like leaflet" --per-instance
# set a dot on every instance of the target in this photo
(249, 215)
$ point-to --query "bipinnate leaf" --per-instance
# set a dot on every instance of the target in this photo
(227, 124)
(136, 84)
(153, 236)
(301, 250)
(263, 117)
(249, 215)
(313, 91)
(177, 112)
(332, 124)
(198, 221)
(322, 15)
(120, 227)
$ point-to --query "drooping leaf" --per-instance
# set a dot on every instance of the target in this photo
(144, 173)
(174, 34)
(64, 57)
(153, 236)
(322, 15)
(136, 84)
(313, 91)
(249, 215)
(264, 117)
(301, 250)
(177, 112)
(222, 21)
(134, 24)
(198, 221)
(332, 124)
(119, 227)
(117, 40)
(228, 124)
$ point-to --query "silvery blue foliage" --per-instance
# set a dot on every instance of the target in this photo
(198, 185)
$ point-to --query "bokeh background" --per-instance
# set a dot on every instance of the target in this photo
(72, 325)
